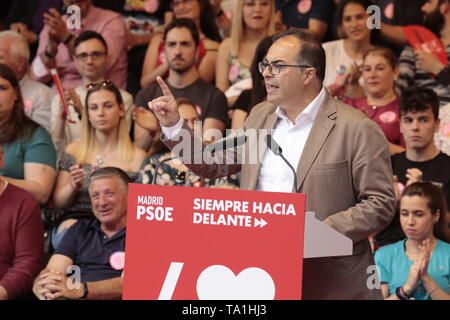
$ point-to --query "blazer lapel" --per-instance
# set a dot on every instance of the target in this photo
(322, 126)
(269, 124)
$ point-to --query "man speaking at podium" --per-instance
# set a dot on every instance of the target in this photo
(341, 159)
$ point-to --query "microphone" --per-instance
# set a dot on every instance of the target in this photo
(276, 149)
(226, 144)
(213, 147)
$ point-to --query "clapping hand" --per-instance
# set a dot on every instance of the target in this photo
(58, 31)
(413, 175)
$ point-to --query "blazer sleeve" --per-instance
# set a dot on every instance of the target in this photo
(189, 145)
(372, 184)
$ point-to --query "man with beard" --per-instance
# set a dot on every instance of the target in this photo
(181, 39)
(423, 69)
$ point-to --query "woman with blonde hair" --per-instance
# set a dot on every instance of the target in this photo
(253, 20)
(104, 142)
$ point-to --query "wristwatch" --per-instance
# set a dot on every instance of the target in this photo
(85, 291)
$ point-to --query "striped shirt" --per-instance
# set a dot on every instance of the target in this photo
(412, 75)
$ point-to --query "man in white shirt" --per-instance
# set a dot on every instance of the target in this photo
(90, 55)
(15, 53)
(341, 159)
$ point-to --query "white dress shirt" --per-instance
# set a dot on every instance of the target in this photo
(275, 175)
(37, 98)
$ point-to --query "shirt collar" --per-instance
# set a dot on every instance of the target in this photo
(310, 111)
(24, 80)
(95, 224)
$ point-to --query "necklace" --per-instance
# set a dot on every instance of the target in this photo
(99, 161)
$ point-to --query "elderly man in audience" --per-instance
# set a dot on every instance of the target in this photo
(422, 160)
(21, 239)
(93, 248)
(181, 44)
(56, 43)
(15, 53)
(90, 55)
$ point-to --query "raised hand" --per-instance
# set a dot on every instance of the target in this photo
(145, 118)
(425, 254)
(413, 175)
(58, 31)
(165, 107)
(428, 62)
(77, 176)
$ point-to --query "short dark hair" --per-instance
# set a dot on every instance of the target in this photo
(339, 14)
(184, 23)
(418, 99)
(88, 35)
(311, 51)
(107, 172)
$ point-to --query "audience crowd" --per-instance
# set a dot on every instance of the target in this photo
(75, 126)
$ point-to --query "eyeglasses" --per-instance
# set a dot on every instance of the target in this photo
(97, 85)
(175, 4)
(276, 68)
(94, 55)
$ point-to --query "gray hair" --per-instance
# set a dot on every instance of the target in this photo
(107, 172)
(18, 44)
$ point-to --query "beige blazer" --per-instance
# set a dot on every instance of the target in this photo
(345, 172)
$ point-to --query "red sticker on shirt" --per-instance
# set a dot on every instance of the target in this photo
(304, 6)
(389, 11)
(117, 260)
(388, 117)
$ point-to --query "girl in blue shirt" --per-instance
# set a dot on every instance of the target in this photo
(418, 267)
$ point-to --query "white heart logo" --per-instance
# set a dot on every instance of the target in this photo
(220, 283)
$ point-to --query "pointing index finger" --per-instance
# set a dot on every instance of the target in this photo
(164, 88)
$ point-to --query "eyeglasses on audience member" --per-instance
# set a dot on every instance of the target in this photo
(276, 68)
(83, 56)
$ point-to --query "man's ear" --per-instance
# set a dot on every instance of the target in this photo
(310, 75)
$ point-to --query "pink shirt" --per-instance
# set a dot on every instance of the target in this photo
(387, 117)
(112, 27)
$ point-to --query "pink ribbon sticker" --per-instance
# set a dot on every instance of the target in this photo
(28, 105)
(304, 6)
(388, 117)
(117, 260)
(151, 6)
(401, 187)
(446, 129)
(389, 11)
(198, 109)
(233, 72)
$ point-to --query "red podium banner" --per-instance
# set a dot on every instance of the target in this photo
(213, 244)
